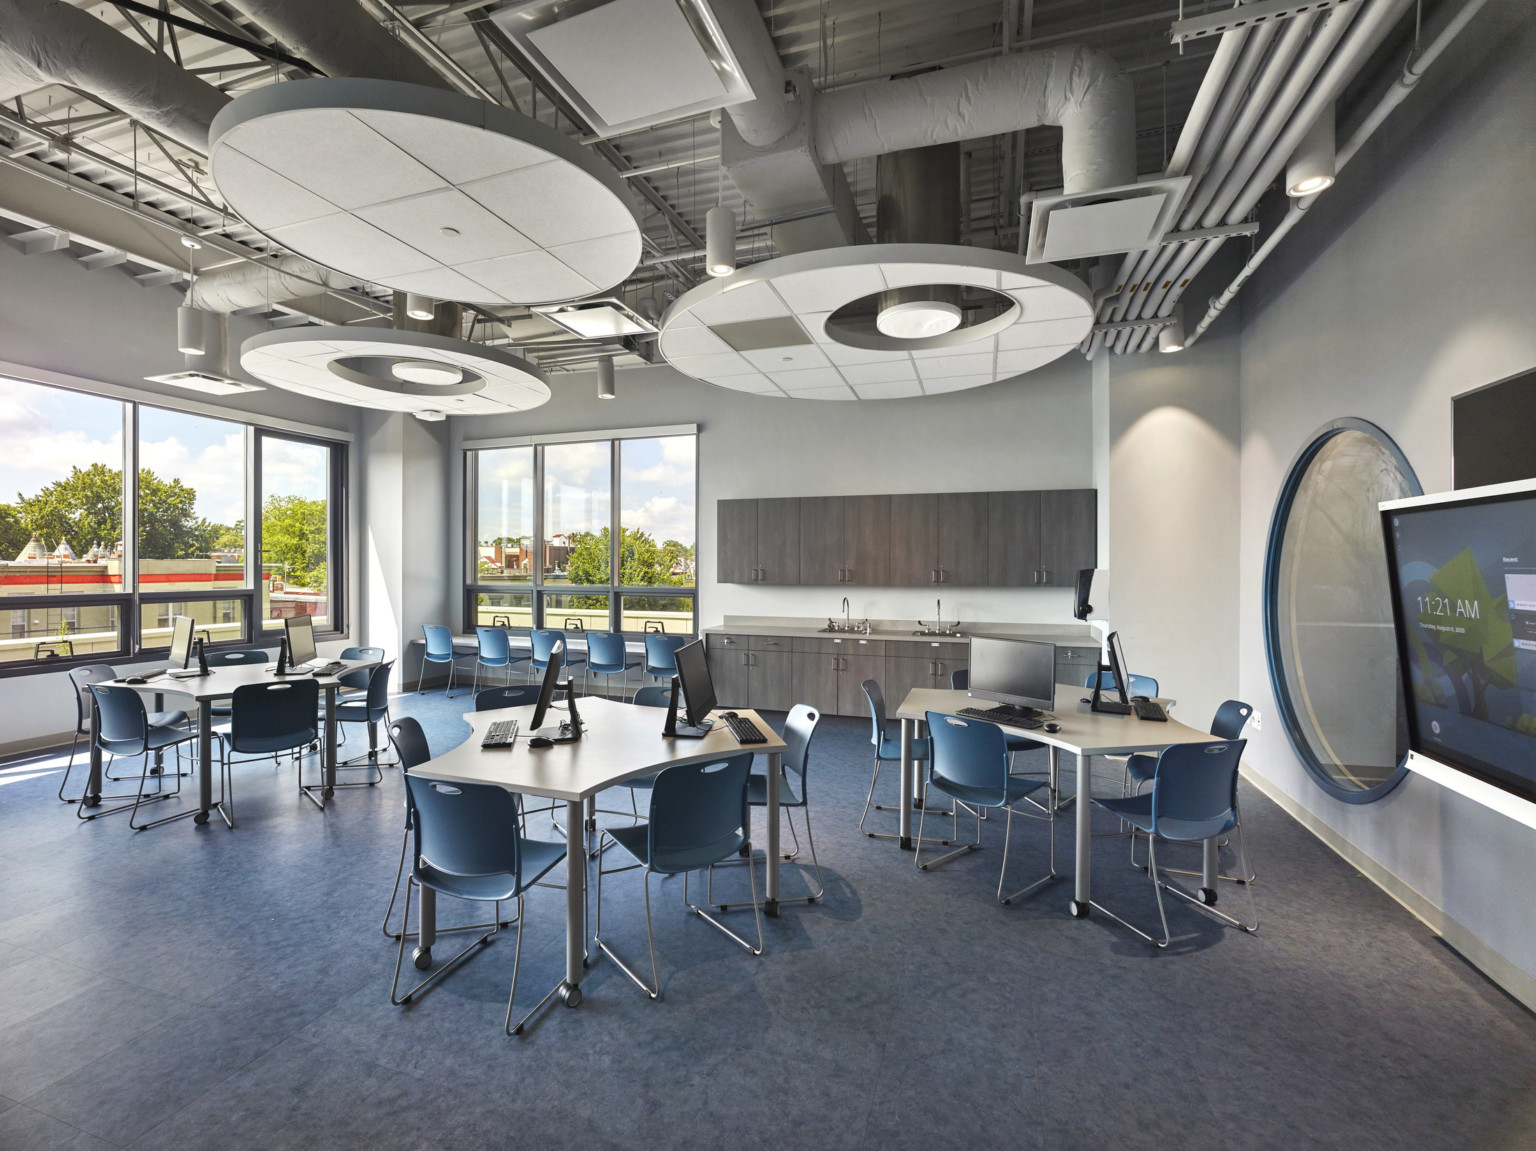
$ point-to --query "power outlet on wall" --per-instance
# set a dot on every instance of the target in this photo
(1257, 720)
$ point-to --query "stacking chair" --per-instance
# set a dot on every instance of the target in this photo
(271, 718)
(653, 695)
(698, 817)
(233, 658)
(493, 650)
(799, 728)
(439, 649)
(661, 655)
(607, 656)
(517, 695)
(354, 683)
(1193, 799)
(467, 844)
(887, 750)
(1140, 684)
(123, 727)
(81, 678)
(970, 766)
(960, 680)
(543, 640)
(411, 745)
(372, 709)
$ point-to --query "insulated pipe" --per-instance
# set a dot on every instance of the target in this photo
(766, 120)
(339, 38)
(1080, 89)
(249, 285)
(50, 42)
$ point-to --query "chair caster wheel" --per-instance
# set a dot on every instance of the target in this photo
(327, 793)
(1207, 896)
(570, 996)
(1007, 902)
(92, 801)
(1079, 910)
(422, 958)
(200, 818)
(156, 770)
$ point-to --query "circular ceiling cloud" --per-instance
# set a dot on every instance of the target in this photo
(806, 326)
(425, 191)
(395, 371)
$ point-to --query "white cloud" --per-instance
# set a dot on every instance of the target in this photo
(38, 451)
(679, 450)
(664, 517)
(216, 472)
(289, 468)
(577, 464)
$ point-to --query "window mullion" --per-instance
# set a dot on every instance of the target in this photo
(615, 500)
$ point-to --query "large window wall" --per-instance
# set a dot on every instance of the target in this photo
(596, 535)
(93, 568)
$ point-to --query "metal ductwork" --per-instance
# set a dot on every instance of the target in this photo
(249, 285)
(1080, 89)
(340, 39)
(50, 42)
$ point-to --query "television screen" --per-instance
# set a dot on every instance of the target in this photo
(1463, 571)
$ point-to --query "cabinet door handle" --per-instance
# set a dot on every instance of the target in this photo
(1036, 575)
(1045, 575)
(933, 575)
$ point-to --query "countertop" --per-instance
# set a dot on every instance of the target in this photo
(902, 630)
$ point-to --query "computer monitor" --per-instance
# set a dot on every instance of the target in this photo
(551, 678)
(698, 688)
(1100, 703)
(181, 642)
(300, 630)
(1118, 668)
(1021, 672)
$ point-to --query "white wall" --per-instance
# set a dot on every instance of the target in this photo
(1408, 283)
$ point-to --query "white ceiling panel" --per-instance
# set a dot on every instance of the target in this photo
(554, 203)
(787, 359)
(750, 382)
(795, 381)
(276, 199)
(605, 260)
(827, 289)
(420, 221)
(440, 284)
(695, 341)
(729, 364)
(755, 301)
(956, 384)
(843, 354)
(1042, 334)
(889, 391)
(843, 393)
(893, 372)
(457, 157)
(1016, 363)
(907, 275)
(532, 275)
(941, 366)
(347, 243)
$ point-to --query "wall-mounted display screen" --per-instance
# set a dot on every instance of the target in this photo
(1464, 589)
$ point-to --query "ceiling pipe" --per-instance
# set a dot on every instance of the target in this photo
(250, 285)
(51, 42)
(340, 39)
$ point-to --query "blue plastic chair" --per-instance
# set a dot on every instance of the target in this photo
(123, 727)
(493, 649)
(698, 817)
(439, 649)
(799, 729)
(661, 654)
(887, 750)
(960, 680)
(372, 709)
(411, 745)
(468, 845)
(355, 682)
(517, 695)
(607, 656)
(653, 695)
(1193, 799)
(80, 679)
(1140, 684)
(269, 719)
(543, 641)
(970, 766)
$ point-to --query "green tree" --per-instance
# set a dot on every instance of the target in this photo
(641, 564)
(169, 527)
(13, 533)
(85, 508)
(231, 539)
(294, 532)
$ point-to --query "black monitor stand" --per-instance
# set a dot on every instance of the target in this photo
(570, 729)
(1100, 704)
(682, 730)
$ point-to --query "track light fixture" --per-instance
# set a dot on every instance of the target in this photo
(720, 241)
(605, 388)
(1170, 337)
(190, 339)
(419, 307)
(1311, 169)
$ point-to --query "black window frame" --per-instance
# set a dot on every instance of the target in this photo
(336, 529)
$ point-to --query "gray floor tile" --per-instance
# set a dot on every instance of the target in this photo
(24, 1129)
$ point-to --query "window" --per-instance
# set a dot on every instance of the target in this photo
(1328, 611)
(615, 525)
(299, 479)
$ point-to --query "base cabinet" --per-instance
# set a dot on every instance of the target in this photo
(751, 672)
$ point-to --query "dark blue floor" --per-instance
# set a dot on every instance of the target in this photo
(201, 988)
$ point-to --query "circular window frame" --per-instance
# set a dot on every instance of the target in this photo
(1284, 505)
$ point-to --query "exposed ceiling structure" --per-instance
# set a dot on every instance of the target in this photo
(1071, 121)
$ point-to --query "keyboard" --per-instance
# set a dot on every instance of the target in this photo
(744, 730)
(1149, 709)
(1005, 715)
(328, 668)
(502, 733)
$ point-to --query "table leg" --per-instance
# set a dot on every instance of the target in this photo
(204, 760)
(159, 754)
(1209, 865)
(575, 902)
(93, 778)
(426, 923)
(771, 810)
(1083, 882)
(904, 804)
(328, 775)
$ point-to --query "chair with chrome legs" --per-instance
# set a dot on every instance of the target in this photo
(698, 817)
(1140, 684)
(960, 680)
(372, 709)
(608, 656)
(354, 683)
(799, 728)
(467, 844)
(652, 695)
(1231, 718)
(234, 657)
(493, 649)
(970, 766)
(123, 727)
(516, 695)
(439, 649)
(543, 641)
(80, 679)
(887, 750)
(661, 655)
(1193, 799)
(267, 719)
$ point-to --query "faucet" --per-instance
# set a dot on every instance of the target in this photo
(847, 623)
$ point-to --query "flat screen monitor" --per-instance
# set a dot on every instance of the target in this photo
(301, 639)
(1021, 672)
(698, 687)
(551, 678)
(1118, 668)
(1462, 569)
(181, 642)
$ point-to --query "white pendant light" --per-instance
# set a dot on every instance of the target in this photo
(918, 319)
(720, 241)
(428, 372)
(605, 387)
(189, 331)
(1312, 166)
(1170, 337)
(419, 307)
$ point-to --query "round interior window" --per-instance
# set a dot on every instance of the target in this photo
(1328, 611)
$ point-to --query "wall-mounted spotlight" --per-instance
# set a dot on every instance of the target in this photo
(189, 331)
(720, 241)
(1312, 166)
(1170, 338)
(419, 307)
(605, 389)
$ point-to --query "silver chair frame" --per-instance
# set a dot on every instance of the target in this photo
(821, 886)
(1200, 900)
(919, 795)
(1048, 817)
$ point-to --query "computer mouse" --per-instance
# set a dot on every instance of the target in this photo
(1053, 728)
(727, 715)
(134, 679)
(1138, 699)
(540, 741)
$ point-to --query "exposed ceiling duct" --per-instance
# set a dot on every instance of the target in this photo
(340, 39)
(249, 285)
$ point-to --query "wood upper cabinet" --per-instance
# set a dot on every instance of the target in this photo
(961, 557)
(736, 541)
(758, 541)
(1069, 534)
(845, 540)
(1013, 539)
(914, 540)
(821, 540)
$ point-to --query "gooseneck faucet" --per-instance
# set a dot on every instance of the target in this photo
(847, 622)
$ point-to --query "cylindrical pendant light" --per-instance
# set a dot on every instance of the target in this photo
(189, 331)
(1170, 337)
(605, 389)
(1312, 166)
(720, 241)
(420, 307)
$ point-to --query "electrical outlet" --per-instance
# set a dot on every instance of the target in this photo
(1257, 719)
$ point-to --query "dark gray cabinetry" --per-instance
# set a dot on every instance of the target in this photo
(961, 554)
(845, 540)
(1075, 663)
(751, 671)
(913, 540)
(821, 541)
(828, 674)
(1013, 539)
(736, 541)
(813, 678)
(1069, 534)
(758, 541)
(729, 669)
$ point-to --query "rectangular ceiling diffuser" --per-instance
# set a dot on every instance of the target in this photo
(627, 64)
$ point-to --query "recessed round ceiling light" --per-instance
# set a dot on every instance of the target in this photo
(918, 319)
(1308, 186)
(428, 372)
(446, 231)
(191, 242)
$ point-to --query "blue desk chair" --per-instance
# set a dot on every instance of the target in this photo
(467, 845)
(1140, 684)
(607, 656)
(799, 729)
(543, 640)
(970, 766)
(80, 679)
(653, 695)
(517, 695)
(661, 654)
(698, 817)
(1193, 799)
(354, 683)
(887, 750)
(269, 719)
(123, 727)
(235, 657)
(494, 649)
(439, 649)
(372, 709)
(411, 745)
(960, 680)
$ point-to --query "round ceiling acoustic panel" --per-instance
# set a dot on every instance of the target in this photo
(425, 191)
(818, 325)
(395, 371)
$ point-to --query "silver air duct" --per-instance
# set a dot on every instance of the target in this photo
(340, 39)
